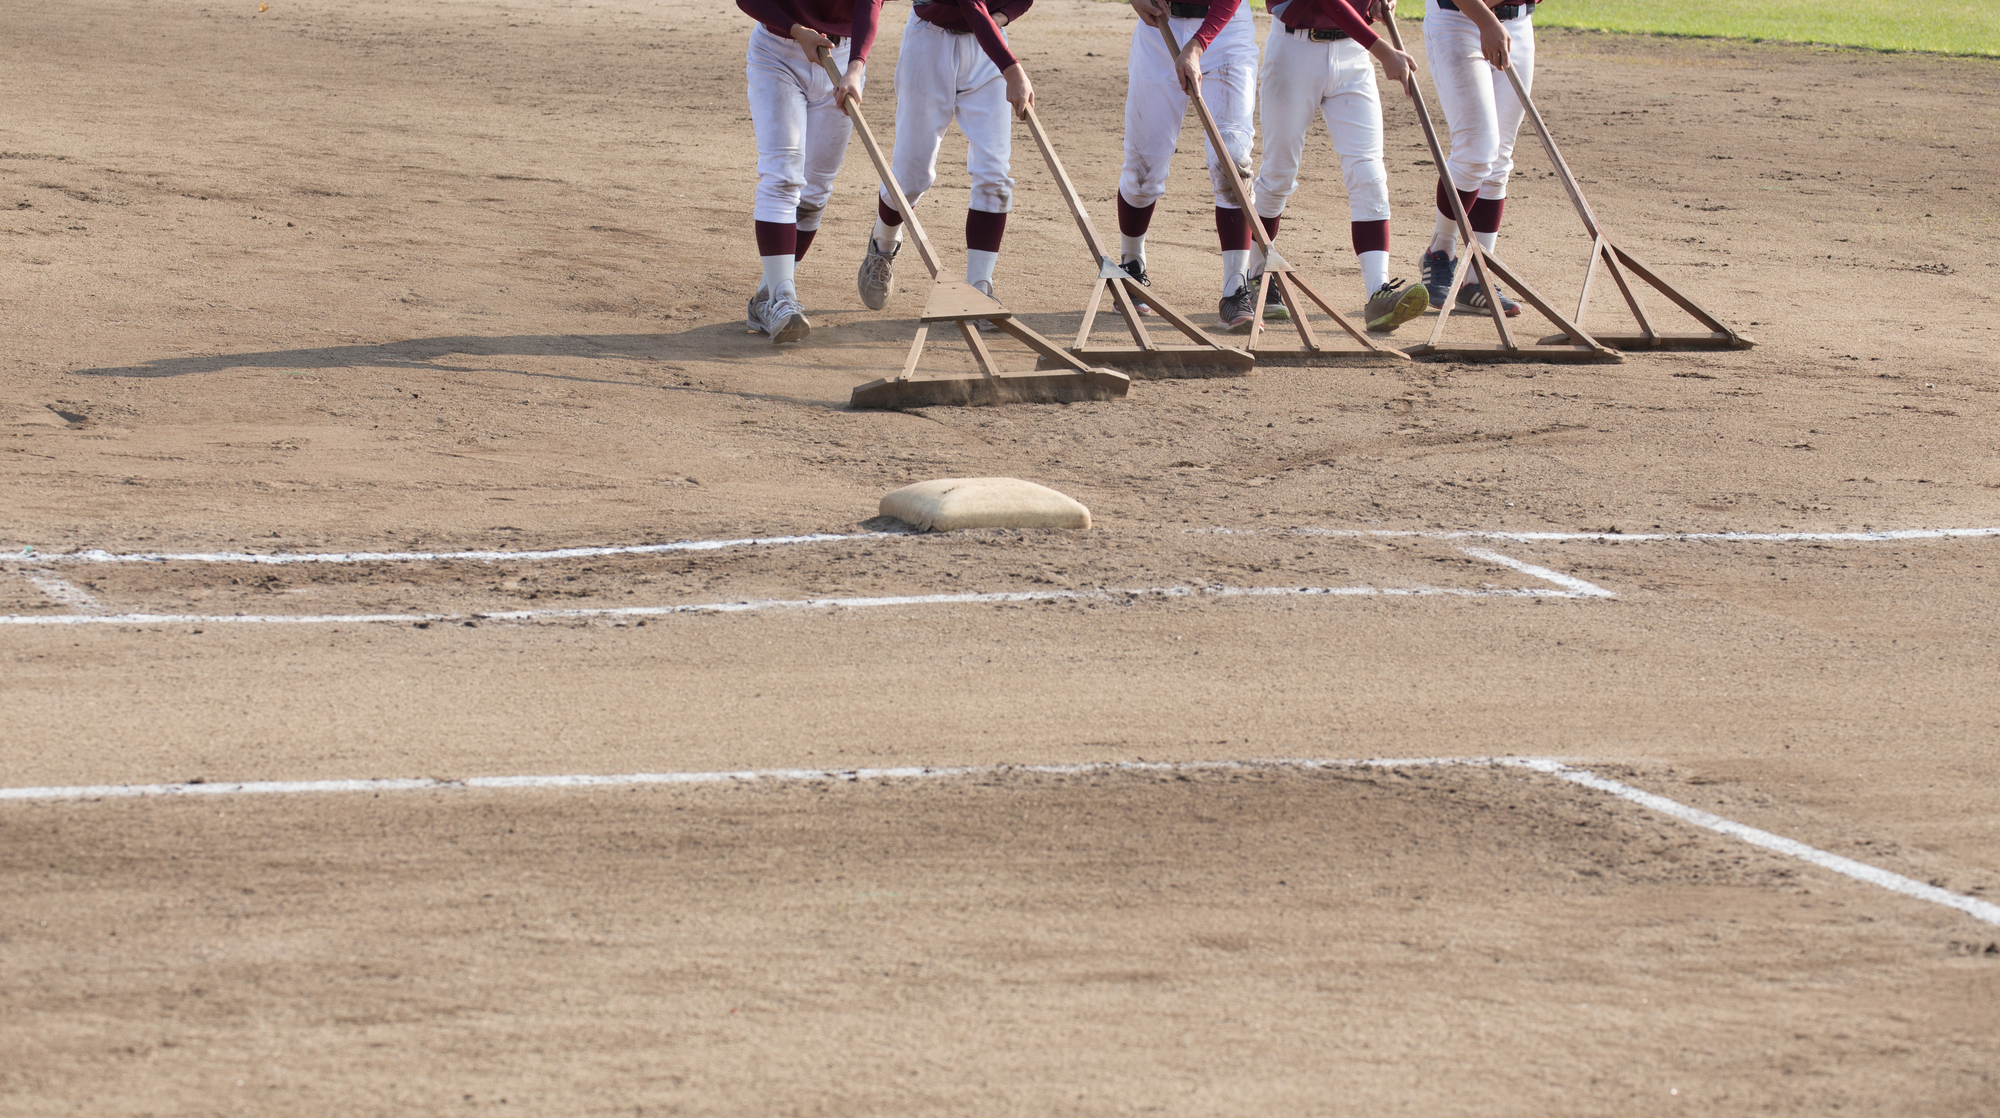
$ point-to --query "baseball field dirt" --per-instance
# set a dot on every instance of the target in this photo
(470, 277)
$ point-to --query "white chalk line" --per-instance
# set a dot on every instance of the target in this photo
(64, 592)
(1568, 582)
(752, 605)
(1885, 536)
(1860, 871)
(280, 558)
(96, 555)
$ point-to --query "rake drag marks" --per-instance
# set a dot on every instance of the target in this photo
(375, 277)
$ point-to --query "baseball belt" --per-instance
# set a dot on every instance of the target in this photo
(1317, 34)
(1188, 11)
(1503, 12)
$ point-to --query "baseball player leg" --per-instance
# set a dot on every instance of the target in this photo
(1155, 105)
(1508, 115)
(986, 119)
(781, 93)
(926, 89)
(1228, 85)
(1353, 113)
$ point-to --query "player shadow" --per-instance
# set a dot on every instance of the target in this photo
(724, 343)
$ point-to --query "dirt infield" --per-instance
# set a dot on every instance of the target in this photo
(374, 277)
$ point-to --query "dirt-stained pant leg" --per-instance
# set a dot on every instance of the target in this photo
(1155, 105)
(1336, 80)
(942, 76)
(1478, 101)
(801, 132)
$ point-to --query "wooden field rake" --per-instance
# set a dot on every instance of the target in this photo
(963, 305)
(1573, 344)
(1604, 251)
(1205, 355)
(1278, 274)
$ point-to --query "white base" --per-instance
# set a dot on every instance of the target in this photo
(983, 502)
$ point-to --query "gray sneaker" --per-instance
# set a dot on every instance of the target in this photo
(1238, 309)
(1471, 298)
(782, 318)
(754, 317)
(876, 279)
(1393, 304)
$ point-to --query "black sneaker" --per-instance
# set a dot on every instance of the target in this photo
(1137, 270)
(1275, 309)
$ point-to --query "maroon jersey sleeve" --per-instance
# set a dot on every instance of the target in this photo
(1343, 16)
(770, 13)
(980, 22)
(1219, 14)
(867, 18)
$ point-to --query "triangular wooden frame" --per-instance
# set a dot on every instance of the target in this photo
(1278, 273)
(1204, 356)
(1573, 344)
(1604, 251)
(1067, 379)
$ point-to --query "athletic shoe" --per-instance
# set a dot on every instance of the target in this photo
(1275, 309)
(1438, 267)
(1236, 312)
(1137, 270)
(753, 318)
(876, 281)
(781, 317)
(1394, 304)
(1471, 298)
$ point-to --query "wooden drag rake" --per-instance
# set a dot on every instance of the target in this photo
(1476, 263)
(961, 304)
(1205, 355)
(1278, 274)
(1604, 251)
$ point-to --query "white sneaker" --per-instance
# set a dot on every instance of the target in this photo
(781, 317)
(876, 279)
(754, 318)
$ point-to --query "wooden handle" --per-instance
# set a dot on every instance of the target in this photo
(1067, 188)
(1237, 187)
(924, 250)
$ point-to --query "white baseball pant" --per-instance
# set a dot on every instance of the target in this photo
(1479, 102)
(1337, 80)
(942, 76)
(1155, 105)
(801, 131)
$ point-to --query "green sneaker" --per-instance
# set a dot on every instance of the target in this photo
(1393, 304)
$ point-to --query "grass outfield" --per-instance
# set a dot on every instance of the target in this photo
(1944, 26)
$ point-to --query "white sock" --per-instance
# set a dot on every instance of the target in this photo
(1487, 240)
(887, 236)
(1131, 248)
(1374, 271)
(1444, 234)
(979, 268)
(778, 273)
(1235, 268)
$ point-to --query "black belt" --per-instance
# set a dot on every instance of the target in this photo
(1318, 34)
(1188, 11)
(1504, 11)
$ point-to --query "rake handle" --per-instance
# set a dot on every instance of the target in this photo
(853, 110)
(1237, 188)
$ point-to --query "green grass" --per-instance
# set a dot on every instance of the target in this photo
(1943, 26)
